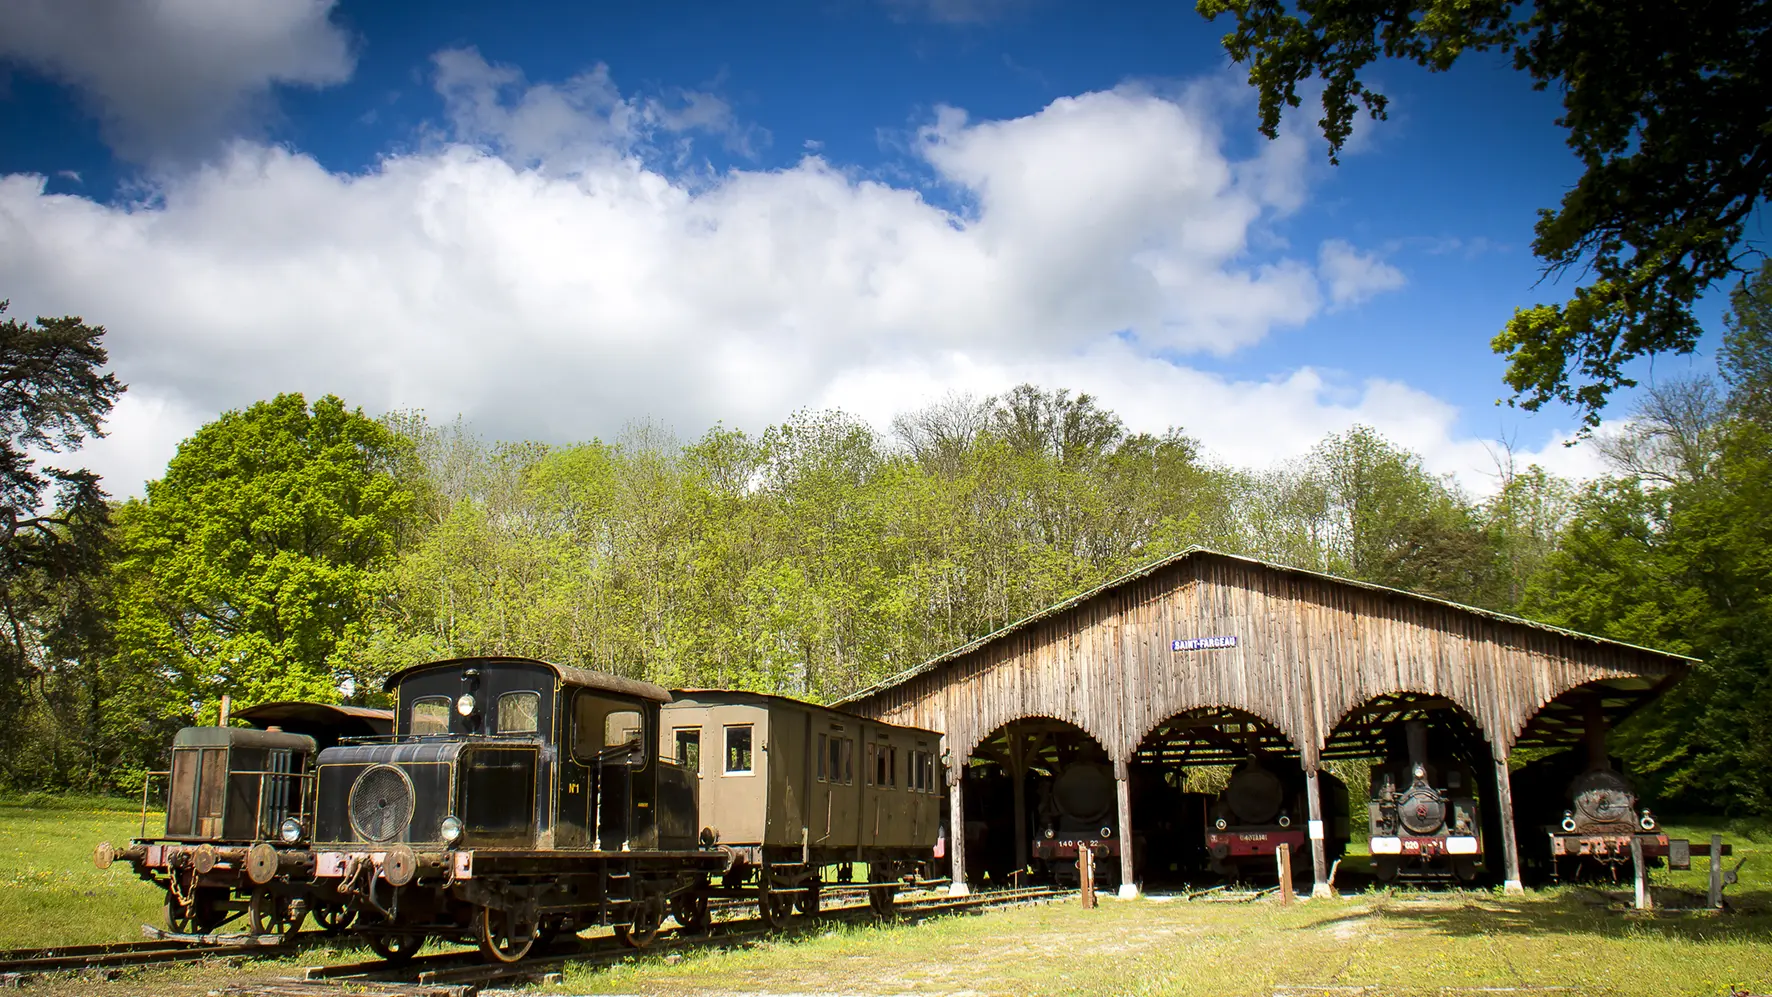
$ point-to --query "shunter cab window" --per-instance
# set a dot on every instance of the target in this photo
(601, 728)
(738, 750)
(519, 713)
(429, 716)
(689, 748)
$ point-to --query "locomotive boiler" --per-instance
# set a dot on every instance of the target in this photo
(1265, 806)
(1424, 821)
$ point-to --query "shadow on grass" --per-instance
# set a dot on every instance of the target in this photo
(1571, 913)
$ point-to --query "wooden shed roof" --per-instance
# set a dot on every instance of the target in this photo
(1146, 570)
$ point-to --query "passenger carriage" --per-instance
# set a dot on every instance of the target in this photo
(800, 796)
(515, 799)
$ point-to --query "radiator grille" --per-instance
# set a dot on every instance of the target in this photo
(381, 803)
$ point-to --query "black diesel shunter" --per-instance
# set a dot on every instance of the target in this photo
(516, 799)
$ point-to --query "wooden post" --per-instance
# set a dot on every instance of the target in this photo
(1319, 852)
(1716, 871)
(1018, 770)
(226, 703)
(1636, 861)
(1123, 784)
(1086, 873)
(1504, 804)
(1284, 858)
(957, 829)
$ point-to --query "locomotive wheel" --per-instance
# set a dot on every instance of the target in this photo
(201, 916)
(775, 906)
(503, 935)
(648, 917)
(880, 900)
(333, 920)
(269, 913)
(398, 950)
(690, 909)
(807, 900)
(179, 918)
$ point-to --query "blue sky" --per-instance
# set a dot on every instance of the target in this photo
(555, 218)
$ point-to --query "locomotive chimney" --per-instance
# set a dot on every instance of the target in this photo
(1416, 731)
(1596, 736)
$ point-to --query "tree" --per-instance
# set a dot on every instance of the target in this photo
(52, 396)
(1667, 105)
(243, 568)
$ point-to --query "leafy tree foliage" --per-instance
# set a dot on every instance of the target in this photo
(53, 395)
(246, 565)
(1667, 105)
(1682, 559)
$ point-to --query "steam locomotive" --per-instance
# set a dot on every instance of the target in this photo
(1424, 821)
(1600, 816)
(1079, 809)
(1261, 809)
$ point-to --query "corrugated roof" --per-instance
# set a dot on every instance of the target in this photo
(1145, 571)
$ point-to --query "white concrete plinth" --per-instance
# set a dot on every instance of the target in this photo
(1513, 888)
(1322, 891)
(1129, 891)
(958, 889)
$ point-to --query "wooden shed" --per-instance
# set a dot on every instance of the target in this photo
(1319, 663)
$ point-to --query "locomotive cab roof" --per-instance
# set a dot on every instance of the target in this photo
(241, 737)
(582, 678)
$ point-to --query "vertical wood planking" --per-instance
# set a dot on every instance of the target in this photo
(1310, 649)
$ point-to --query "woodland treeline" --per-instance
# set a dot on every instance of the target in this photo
(297, 550)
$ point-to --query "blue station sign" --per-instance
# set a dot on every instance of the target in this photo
(1202, 643)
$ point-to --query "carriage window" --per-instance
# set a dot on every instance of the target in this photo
(849, 761)
(878, 751)
(892, 768)
(869, 771)
(689, 748)
(836, 759)
(519, 713)
(601, 728)
(914, 771)
(823, 742)
(738, 750)
(429, 716)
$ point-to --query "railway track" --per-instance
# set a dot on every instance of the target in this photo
(465, 972)
(19, 964)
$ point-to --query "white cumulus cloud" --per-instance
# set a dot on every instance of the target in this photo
(1353, 276)
(169, 77)
(536, 269)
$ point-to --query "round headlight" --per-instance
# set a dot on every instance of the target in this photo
(1221, 823)
(1648, 821)
(290, 832)
(1568, 821)
(1285, 821)
(1048, 832)
(464, 704)
(451, 828)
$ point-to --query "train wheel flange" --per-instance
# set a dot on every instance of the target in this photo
(690, 910)
(503, 934)
(397, 949)
(648, 918)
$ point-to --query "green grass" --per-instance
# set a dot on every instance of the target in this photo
(1396, 943)
(50, 894)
